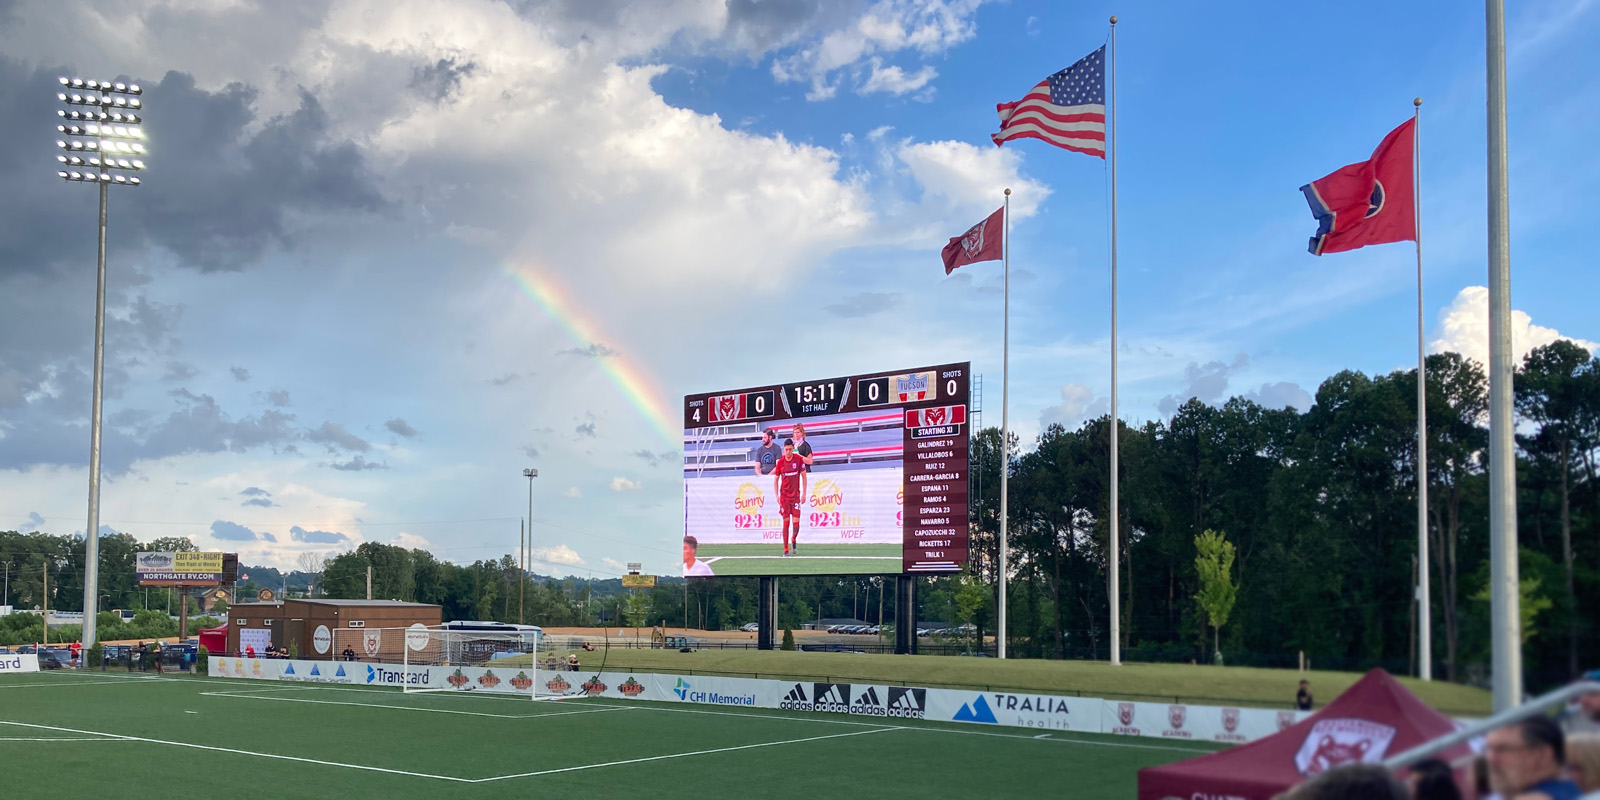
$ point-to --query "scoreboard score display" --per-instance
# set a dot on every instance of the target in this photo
(880, 488)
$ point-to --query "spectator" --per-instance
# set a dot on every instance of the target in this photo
(1584, 717)
(249, 651)
(76, 648)
(156, 645)
(349, 653)
(1527, 761)
(1302, 699)
(1432, 779)
(572, 662)
(1583, 761)
(1351, 782)
(137, 656)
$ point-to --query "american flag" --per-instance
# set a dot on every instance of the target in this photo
(1067, 109)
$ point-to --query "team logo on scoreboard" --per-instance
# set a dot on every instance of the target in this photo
(936, 420)
(826, 495)
(726, 407)
(914, 388)
(749, 499)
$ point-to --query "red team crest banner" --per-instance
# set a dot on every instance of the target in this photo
(981, 242)
(1373, 202)
(727, 408)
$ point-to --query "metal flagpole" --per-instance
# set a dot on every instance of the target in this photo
(1424, 606)
(1115, 592)
(1505, 601)
(1005, 435)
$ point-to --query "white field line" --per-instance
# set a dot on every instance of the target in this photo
(248, 696)
(67, 683)
(680, 755)
(242, 752)
(56, 739)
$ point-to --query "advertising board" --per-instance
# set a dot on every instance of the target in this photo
(874, 480)
(178, 567)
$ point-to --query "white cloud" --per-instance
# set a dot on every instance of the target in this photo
(894, 80)
(620, 484)
(887, 27)
(612, 563)
(410, 541)
(560, 554)
(573, 492)
(1464, 329)
(1078, 403)
(970, 178)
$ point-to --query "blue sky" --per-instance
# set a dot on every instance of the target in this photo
(318, 336)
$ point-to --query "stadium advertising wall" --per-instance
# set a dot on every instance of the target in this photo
(1228, 725)
(18, 662)
(179, 566)
(885, 491)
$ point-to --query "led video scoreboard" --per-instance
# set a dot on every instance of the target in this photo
(865, 474)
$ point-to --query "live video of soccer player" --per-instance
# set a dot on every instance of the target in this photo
(789, 484)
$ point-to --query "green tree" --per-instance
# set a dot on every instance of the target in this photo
(1218, 590)
(788, 639)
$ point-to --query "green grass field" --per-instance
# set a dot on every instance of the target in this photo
(98, 734)
(815, 559)
(1264, 688)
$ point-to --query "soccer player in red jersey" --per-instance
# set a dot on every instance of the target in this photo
(789, 484)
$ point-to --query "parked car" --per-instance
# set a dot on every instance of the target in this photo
(751, 627)
(49, 660)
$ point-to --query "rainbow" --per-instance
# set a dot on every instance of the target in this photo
(633, 381)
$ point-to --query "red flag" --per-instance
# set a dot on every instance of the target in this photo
(1372, 202)
(981, 242)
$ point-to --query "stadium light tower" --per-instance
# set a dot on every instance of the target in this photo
(527, 545)
(102, 142)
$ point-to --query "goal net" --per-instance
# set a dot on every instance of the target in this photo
(441, 659)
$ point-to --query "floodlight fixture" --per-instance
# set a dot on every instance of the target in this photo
(101, 124)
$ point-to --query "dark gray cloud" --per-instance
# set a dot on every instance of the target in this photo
(530, 451)
(278, 397)
(357, 464)
(439, 80)
(267, 537)
(35, 522)
(863, 304)
(586, 429)
(255, 491)
(231, 532)
(179, 371)
(1205, 382)
(400, 427)
(655, 458)
(595, 350)
(222, 186)
(240, 374)
(259, 502)
(509, 377)
(334, 437)
(756, 26)
(300, 534)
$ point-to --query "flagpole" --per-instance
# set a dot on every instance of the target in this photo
(1424, 604)
(1005, 406)
(1115, 592)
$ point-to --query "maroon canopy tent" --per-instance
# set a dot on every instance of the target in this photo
(1374, 719)
(215, 640)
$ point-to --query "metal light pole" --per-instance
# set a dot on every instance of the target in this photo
(102, 139)
(1504, 598)
(530, 473)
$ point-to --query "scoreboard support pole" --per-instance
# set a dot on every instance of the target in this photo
(766, 613)
(905, 615)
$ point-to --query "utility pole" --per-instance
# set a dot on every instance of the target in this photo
(45, 570)
(369, 581)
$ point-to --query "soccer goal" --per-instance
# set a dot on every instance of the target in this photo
(455, 659)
